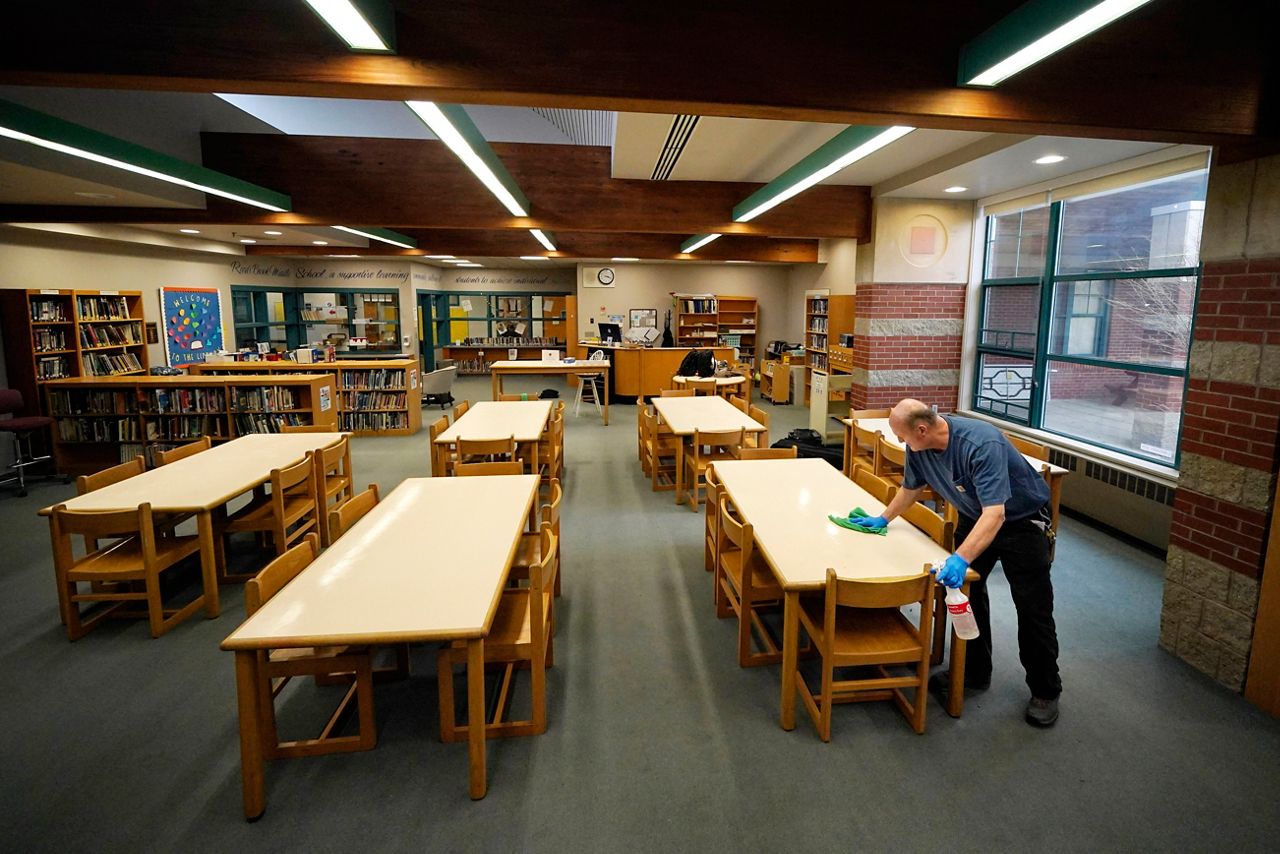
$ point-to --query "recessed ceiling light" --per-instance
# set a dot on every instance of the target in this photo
(274, 233)
(351, 25)
(319, 243)
(1050, 158)
(624, 259)
(189, 230)
(534, 258)
(470, 264)
(956, 189)
(85, 195)
(247, 240)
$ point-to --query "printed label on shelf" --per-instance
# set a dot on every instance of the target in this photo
(325, 401)
(109, 293)
(53, 291)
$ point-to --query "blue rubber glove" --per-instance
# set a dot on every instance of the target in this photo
(873, 522)
(951, 573)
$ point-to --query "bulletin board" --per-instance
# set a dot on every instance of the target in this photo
(192, 323)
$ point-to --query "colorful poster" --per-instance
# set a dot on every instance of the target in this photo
(192, 323)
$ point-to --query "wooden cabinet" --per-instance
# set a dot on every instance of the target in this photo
(56, 334)
(697, 320)
(826, 318)
(775, 381)
(101, 421)
(737, 318)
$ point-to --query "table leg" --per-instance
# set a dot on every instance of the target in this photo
(476, 718)
(955, 691)
(208, 563)
(247, 699)
(679, 470)
(495, 379)
(790, 654)
(1055, 496)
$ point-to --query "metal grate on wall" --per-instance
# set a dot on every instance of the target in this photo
(1124, 480)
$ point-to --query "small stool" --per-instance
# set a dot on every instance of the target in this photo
(22, 428)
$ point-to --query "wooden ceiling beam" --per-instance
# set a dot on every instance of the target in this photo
(1174, 71)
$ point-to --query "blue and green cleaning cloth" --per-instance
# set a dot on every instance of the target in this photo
(843, 522)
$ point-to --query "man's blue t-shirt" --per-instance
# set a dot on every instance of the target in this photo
(978, 468)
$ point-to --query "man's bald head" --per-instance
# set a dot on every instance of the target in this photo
(910, 413)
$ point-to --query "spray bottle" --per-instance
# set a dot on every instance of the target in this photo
(962, 619)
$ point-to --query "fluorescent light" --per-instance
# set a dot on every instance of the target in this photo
(1049, 158)
(443, 126)
(534, 258)
(542, 238)
(737, 262)
(380, 234)
(459, 261)
(439, 257)
(345, 20)
(808, 172)
(624, 259)
(189, 230)
(274, 233)
(342, 256)
(956, 189)
(1094, 18)
(693, 244)
(319, 243)
(247, 240)
(470, 264)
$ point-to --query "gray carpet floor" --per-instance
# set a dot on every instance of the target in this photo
(657, 739)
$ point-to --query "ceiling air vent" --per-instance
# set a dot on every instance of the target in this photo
(677, 138)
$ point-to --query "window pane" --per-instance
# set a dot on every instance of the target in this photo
(1004, 386)
(275, 307)
(1128, 410)
(1150, 226)
(1144, 321)
(242, 306)
(1011, 317)
(1016, 244)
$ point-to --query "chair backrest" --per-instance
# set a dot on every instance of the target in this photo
(677, 392)
(542, 577)
(439, 381)
(290, 477)
(893, 593)
(163, 458)
(343, 517)
(551, 510)
(94, 525)
(473, 469)
(10, 401)
(304, 428)
(755, 413)
(1031, 449)
(439, 453)
(881, 490)
(745, 453)
(461, 410)
(888, 455)
(740, 403)
(868, 413)
(716, 439)
(597, 356)
(106, 477)
(940, 529)
(864, 438)
(335, 458)
(701, 386)
(737, 532)
(487, 448)
(275, 575)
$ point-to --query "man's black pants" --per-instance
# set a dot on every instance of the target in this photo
(1023, 551)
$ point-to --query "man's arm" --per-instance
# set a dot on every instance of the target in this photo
(904, 499)
(984, 531)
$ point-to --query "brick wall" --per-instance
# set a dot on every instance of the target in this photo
(907, 344)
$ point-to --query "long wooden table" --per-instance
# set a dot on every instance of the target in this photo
(787, 502)
(1052, 474)
(523, 367)
(526, 420)
(685, 415)
(202, 485)
(426, 564)
(724, 385)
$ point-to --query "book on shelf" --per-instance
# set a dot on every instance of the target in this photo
(374, 421)
(267, 398)
(44, 340)
(102, 308)
(357, 400)
(698, 305)
(48, 311)
(106, 364)
(98, 429)
(266, 422)
(109, 334)
(187, 400)
(78, 402)
(53, 368)
(373, 378)
(184, 428)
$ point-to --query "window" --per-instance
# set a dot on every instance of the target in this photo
(1086, 314)
(263, 315)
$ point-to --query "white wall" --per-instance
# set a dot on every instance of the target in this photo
(918, 241)
(552, 279)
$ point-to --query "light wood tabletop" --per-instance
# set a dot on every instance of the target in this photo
(428, 563)
(202, 484)
(498, 419)
(505, 367)
(787, 502)
(721, 382)
(684, 415)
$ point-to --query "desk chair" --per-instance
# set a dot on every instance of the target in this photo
(585, 380)
(485, 451)
(437, 386)
(441, 455)
(861, 624)
(23, 428)
(529, 550)
(708, 446)
(740, 403)
(862, 448)
(460, 410)
(288, 513)
(1026, 446)
(133, 557)
(746, 453)
(758, 440)
(190, 449)
(550, 462)
(677, 392)
(342, 517)
(880, 489)
(488, 468)
(659, 452)
(745, 586)
(334, 482)
(711, 534)
(701, 387)
(279, 666)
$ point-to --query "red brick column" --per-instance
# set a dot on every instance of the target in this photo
(906, 343)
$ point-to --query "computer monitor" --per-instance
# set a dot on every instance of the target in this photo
(610, 332)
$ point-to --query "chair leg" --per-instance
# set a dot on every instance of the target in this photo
(825, 701)
(155, 607)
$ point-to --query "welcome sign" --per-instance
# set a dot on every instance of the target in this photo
(192, 323)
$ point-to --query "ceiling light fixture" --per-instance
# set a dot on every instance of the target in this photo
(845, 148)
(342, 256)
(365, 25)
(247, 240)
(455, 129)
(1049, 159)
(1032, 32)
(534, 258)
(693, 244)
(319, 243)
(274, 233)
(385, 235)
(439, 257)
(86, 195)
(737, 262)
(189, 230)
(470, 264)
(956, 189)
(543, 238)
(624, 259)
(24, 125)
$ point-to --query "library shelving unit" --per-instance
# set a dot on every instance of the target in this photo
(697, 320)
(826, 317)
(375, 396)
(101, 421)
(737, 318)
(55, 334)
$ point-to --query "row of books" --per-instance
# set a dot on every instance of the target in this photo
(106, 334)
(376, 378)
(374, 421)
(92, 403)
(818, 306)
(48, 339)
(705, 305)
(375, 400)
(53, 368)
(187, 400)
(269, 398)
(98, 429)
(102, 308)
(817, 324)
(258, 422)
(185, 427)
(47, 311)
(106, 364)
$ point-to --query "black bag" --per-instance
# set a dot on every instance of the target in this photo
(548, 394)
(808, 445)
(698, 363)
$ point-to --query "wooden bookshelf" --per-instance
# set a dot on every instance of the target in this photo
(737, 319)
(102, 421)
(376, 397)
(56, 334)
(697, 320)
(826, 318)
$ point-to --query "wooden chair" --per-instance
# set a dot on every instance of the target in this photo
(520, 637)
(529, 549)
(855, 414)
(288, 513)
(460, 410)
(641, 407)
(740, 403)
(758, 440)
(701, 387)
(515, 397)
(677, 392)
(1026, 446)
(485, 451)
(304, 428)
(279, 666)
(659, 453)
(860, 624)
(890, 460)
(711, 534)
(881, 490)
(745, 453)
(488, 468)
(342, 517)
(89, 482)
(745, 586)
(441, 456)
(334, 483)
(860, 448)
(708, 446)
(550, 464)
(163, 458)
(134, 557)
(748, 373)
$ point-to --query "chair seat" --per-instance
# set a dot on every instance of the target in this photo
(882, 635)
(512, 627)
(764, 585)
(336, 483)
(259, 517)
(314, 653)
(528, 551)
(122, 560)
(26, 422)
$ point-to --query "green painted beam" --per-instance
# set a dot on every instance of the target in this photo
(455, 129)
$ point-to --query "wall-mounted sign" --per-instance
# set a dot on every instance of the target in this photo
(192, 323)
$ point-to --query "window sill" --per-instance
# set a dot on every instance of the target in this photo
(1151, 471)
